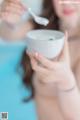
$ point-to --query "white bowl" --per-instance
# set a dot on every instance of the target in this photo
(49, 43)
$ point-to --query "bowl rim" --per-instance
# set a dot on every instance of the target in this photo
(28, 35)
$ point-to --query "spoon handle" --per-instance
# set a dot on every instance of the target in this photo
(31, 13)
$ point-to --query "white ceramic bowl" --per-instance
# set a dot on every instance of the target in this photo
(49, 43)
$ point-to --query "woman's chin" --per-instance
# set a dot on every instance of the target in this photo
(71, 22)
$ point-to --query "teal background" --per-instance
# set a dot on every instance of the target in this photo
(11, 89)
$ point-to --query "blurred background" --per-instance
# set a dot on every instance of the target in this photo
(34, 4)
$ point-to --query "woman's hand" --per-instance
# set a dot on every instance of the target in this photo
(11, 11)
(58, 72)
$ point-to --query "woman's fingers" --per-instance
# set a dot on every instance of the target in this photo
(37, 68)
(17, 6)
(49, 64)
(35, 65)
(11, 11)
(43, 60)
(8, 17)
(17, 3)
(13, 8)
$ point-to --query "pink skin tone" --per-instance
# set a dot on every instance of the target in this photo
(12, 11)
(68, 12)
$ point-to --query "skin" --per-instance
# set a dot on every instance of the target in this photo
(11, 12)
(51, 80)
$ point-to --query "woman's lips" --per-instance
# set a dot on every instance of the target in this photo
(68, 11)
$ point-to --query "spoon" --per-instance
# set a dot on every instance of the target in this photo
(37, 19)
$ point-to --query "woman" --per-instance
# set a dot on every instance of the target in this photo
(55, 89)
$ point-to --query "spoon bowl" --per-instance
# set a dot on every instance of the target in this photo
(38, 19)
(41, 21)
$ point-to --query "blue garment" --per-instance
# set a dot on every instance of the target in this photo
(12, 91)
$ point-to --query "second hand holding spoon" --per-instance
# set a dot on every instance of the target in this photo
(39, 20)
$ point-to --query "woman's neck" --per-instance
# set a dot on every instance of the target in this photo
(73, 32)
